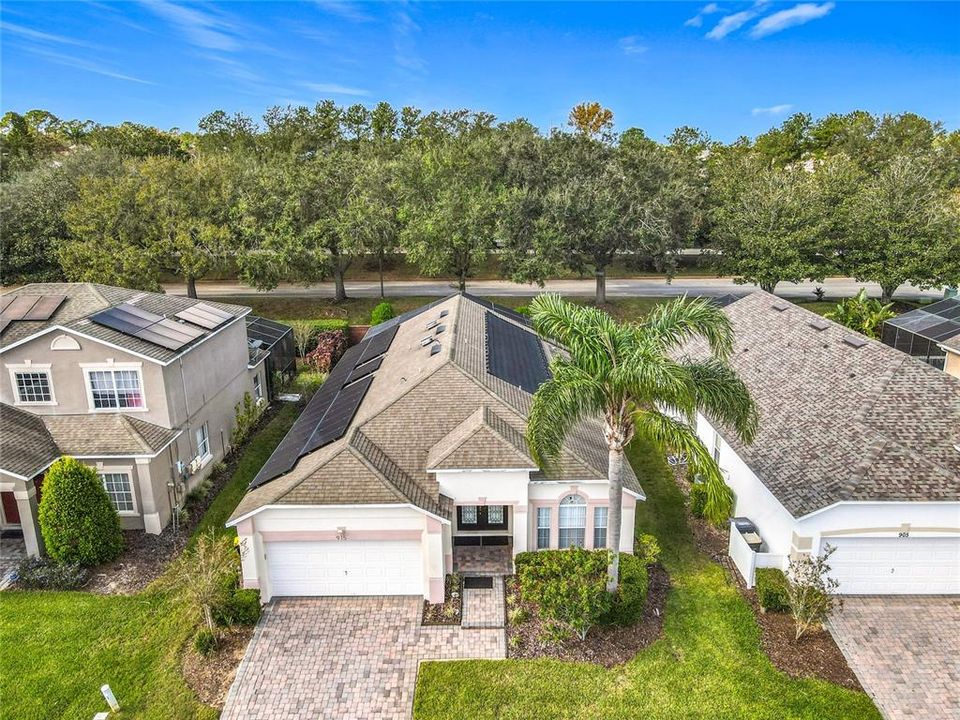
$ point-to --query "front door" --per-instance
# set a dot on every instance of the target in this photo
(11, 513)
(481, 517)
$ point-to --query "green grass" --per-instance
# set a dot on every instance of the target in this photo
(708, 665)
(58, 648)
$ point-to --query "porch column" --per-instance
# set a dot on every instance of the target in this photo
(26, 497)
(435, 561)
(627, 523)
(521, 530)
(148, 502)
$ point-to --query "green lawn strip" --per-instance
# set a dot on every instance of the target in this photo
(708, 665)
(58, 648)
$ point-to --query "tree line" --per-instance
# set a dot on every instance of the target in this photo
(306, 192)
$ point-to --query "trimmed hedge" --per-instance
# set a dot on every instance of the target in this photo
(77, 520)
(772, 589)
(381, 313)
(241, 607)
(698, 499)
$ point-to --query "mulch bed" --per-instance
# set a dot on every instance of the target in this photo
(449, 611)
(814, 655)
(210, 677)
(604, 645)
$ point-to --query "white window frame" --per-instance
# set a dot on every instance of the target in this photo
(257, 387)
(576, 501)
(89, 368)
(202, 457)
(126, 472)
(598, 511)
(24, 368)
(716, 447)
(543, 524)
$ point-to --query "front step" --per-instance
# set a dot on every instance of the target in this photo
(483, 607)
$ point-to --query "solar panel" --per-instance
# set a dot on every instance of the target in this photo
(20, 306)
(148, 326)
(206, 316)
(338, 416)
(45, 307)
(365, 369)
(4, 301)
(378, 344)
(3, 324)
(514, 355)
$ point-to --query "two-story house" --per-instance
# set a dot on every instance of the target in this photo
(142, 386)
(411, 462)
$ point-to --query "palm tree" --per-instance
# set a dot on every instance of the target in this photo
(631, 376)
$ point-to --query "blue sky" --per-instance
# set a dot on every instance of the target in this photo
(729, 68)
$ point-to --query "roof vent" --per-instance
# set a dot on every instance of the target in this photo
(432, 324)
(781, 306)
(819, 324)
(854, 341)
(426, 341)
(441, 328)
(435, 349)
(444, 313)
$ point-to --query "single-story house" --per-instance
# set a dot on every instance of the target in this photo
(858, 449)
(411, 461)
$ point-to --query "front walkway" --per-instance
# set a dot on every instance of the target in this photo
(484, 607)
(12, 551)
(485, 560)
(351, 658)
(904, 650)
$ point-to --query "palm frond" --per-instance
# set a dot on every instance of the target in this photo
(677, 321)
(721, 394)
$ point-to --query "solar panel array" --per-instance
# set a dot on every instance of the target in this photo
(332, 408)
(206, 316)
(500, 309)
(514, 355)
(28, 307)
(139, 323)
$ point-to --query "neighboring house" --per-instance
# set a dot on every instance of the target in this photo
(926, 333)
(413, 454)
(858, 448)
(141, 386)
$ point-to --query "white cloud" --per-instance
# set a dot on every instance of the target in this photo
(631, 45)
(797, 15)
(335, 89)
(697, 20)
(405, 53)
(208, 30)
(86, 65)
(729, 23)
(37, 35)
(346, 10)
(772, 110)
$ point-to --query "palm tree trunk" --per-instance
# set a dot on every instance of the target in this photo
(614, 514)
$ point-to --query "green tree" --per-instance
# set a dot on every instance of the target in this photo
(766, 222)
(861, 313)
(77, 521)
(626, 375)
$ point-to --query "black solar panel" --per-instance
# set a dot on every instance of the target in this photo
(499, 309)
(378, 344)
(148, 326)
(205, 316)
(514, 355)
(337, 418)
(45, 307)
(365, 368)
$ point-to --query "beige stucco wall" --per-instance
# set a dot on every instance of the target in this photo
(952, 366)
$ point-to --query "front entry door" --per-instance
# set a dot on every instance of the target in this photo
(11, 513)
(482, 517)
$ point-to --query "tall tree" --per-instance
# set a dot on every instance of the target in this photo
(627, 376)
(592, 120)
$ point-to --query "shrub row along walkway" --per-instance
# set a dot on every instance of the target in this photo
(708, 665)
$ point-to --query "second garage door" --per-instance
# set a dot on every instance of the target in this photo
(896, 566)
(345, 568)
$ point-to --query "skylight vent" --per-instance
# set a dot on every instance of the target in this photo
(444, 313)
(781, 306)
(854, 341)
(441, 328)
(819, 324)
(435, 349)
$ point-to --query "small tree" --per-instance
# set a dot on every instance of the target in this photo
(810, 591)
(381, 313)
(861, 313)
(303, 333)
(569, 586)
(204, 575)
(77, 520)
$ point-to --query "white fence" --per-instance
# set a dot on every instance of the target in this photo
(747, 560)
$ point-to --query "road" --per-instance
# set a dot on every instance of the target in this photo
(634, 287)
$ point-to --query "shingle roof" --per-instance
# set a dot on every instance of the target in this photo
(838, 422)
(85, 299)
(26, 447)
(29, 443)
(425, 408)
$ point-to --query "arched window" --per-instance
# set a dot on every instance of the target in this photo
(573, 521)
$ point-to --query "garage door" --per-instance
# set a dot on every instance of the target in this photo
(345, 568)
(896, 566)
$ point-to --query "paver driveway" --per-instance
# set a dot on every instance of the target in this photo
(906, 652)
(347, 658)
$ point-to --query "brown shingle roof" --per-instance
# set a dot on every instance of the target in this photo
(26, 447)
(837, 422)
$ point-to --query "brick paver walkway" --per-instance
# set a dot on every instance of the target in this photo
(487, 560)
(346, 658)
(906, 652)
(484, 607)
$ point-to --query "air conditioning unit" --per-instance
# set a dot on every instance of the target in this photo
(194, 465)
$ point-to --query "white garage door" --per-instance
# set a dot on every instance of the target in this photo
(345, 567)
(896, 566)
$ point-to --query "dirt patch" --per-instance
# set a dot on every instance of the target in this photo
(604, 645)
(448, 612)
(815, 655)
(210, 677)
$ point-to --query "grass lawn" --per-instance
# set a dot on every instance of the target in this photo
(58, 648)
(708, 665)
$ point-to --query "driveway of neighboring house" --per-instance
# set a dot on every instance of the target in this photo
(345, 658)
(904, 650)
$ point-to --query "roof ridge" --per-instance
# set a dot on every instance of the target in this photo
(377, 460)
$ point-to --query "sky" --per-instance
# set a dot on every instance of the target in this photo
(728, 68)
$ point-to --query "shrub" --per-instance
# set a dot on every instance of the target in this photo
(772, 589)
(206, 575)
(517, 615)
(569, 586)
(810, 590)
(43, 574)
(205, 641)
(246, 415)
(698, 500)
(241, 607)
(307, 332)
(77, 520)
(630, 600)
(647, 549)
(381, 313)
(861, 313)
(522, 309)
(331, 344)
